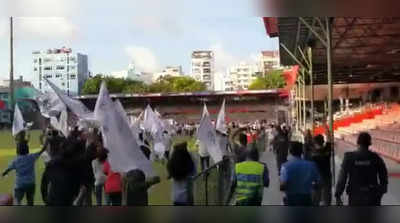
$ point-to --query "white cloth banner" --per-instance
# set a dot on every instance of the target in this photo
(75, 106)
(208, 137)
(49, 104)
(152, 123)
(61, 124)
(221, 125)
(125, 153)
(18, 122)
(64, 123)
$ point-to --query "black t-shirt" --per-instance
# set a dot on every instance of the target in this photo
(322, 158)
(64, 183)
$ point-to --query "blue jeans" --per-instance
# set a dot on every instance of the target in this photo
(298, 200)
(99, 194)
(19, 194)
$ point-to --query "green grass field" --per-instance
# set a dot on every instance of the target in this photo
(159, 194)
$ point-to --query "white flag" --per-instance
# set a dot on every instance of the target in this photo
(121, 110)
(75, 106)
(18, 122)
(125, 153)
(221, 125)
(49, 104)
(152, 123)
(64, 123)
(206, 134)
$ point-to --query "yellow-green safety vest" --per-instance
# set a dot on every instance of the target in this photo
(250, 183)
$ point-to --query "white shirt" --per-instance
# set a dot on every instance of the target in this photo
(100, 177)
(203, 151)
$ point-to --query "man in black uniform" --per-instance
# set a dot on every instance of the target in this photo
(280, 148)
(362, 169)
(321, 155)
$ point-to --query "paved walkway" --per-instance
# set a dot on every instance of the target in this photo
(272, 195)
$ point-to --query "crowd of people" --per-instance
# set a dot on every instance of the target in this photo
(77, 166)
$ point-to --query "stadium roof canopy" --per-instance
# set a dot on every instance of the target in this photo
(364, 49)
(272, 92)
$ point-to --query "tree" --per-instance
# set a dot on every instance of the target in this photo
(163, 84)
(92, 85)
(176, 84)
(114, 85)
(272, 80)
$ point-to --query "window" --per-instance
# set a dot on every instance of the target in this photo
(47, 68)
(35, 69)
(60, 67)
(48, 76)
(72, 76)
(58, 75)
(206, 77)
(72, 58)
(206, 64)
(63, 84)
(206, 70)
(46, 60)
(35, 60)
(72, 67)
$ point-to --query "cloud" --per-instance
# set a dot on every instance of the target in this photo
(35, 8)
(3, 27)
(223, 59)
(158, 16)
(40, 18)
(143, 58)
(46, 27)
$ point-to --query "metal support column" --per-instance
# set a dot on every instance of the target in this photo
(310, 71)
(330, 90)
(298, 115)
(304, 102)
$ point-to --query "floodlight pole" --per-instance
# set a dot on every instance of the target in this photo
(11, 96)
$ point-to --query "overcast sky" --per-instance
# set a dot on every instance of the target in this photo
(152, 33)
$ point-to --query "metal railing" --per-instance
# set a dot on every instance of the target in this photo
(212, 186)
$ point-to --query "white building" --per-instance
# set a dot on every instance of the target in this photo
(223, 82)
(268, 60)
(203, 67)
(242, 75)
(67, 70)
(173, 71)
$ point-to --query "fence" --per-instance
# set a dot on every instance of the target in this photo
(212, 186)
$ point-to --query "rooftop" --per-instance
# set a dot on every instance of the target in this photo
(364, 49)
(53, 51)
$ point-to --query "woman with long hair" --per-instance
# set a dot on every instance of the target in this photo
(181, 169)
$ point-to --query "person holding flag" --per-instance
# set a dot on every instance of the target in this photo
(222, 131)
(19, 130)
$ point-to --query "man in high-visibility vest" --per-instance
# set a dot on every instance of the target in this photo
(251, 177)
